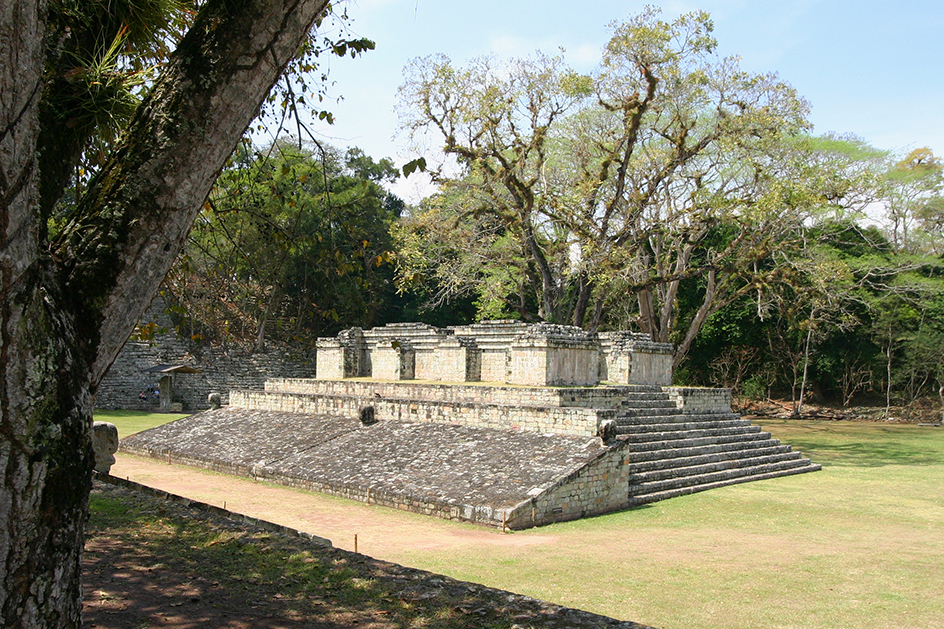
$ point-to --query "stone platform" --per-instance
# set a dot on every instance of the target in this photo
(456, 472)
(498, 455)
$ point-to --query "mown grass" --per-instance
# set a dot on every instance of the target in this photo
(859, 544)
(130, 422)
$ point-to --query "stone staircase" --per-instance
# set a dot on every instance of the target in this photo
(675, 453)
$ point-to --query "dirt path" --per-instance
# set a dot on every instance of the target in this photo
(380, 531)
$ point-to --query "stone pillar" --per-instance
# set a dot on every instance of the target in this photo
(555, 355)
(341, 357)
(633, 358)
(166, 392)
(422, 338)
(458, 360)
(395, 360)
(493, 340)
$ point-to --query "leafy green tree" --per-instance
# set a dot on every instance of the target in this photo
(616, 179)
(461, 254)
(495, 119)
(293, 243)
(913, 201)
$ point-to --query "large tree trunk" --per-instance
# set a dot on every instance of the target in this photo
(68, 308)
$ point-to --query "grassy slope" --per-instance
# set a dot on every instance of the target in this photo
(859, 544)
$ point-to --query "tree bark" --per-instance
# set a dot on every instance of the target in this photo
(68, 307)
(806, 367)
(707, 307)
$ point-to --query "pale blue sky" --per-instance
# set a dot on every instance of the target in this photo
(871, 68)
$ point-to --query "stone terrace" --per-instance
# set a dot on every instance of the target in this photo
(494, 455)
(456, 472)
(510, 427)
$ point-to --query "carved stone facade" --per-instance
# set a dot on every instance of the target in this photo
(500, 423)
(508, 352)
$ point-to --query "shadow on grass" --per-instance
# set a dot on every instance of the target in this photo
(150, 563)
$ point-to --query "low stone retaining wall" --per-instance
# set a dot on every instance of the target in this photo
(557, 420)
(600, 486)
(604, 397)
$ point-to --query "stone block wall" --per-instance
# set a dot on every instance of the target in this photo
(556, 420)
(394, 360)
(493, 340)
(600, 486)
(343, 356)
(417, 343)
(633, 358)
(501, 351)
(609, 397)
(555, 355)
(458, 361)
(700, 400)
(222, 369)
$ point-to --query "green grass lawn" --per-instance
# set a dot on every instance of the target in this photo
(130, 422)
(859, 544)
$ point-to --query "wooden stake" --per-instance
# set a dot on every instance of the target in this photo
(355, 542)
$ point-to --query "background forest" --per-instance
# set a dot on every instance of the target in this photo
(670, 193)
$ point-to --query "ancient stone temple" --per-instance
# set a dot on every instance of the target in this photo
(500, 423)
(507, 352)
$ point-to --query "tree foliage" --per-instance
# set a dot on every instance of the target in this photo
(616, 181)
(672, 192)
(293, 243)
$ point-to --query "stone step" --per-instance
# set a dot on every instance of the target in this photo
(628, 413)
(636, 406)
(719, 476)
(645, 447)
(681, 428)
(652, 395)
(706, 446)
(655, 496)
(671, 416)
(708, 454)
(681, 469)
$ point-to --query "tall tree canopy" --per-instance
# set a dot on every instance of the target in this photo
(623, 180)
(70, 299)
(293, 243)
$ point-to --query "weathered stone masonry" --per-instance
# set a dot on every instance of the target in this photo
(222, 369)
(508, 352)
(512, 451)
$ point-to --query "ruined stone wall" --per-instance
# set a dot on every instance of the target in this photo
(510, 352)
(601, 486)
(555, 355)
(633, 358)
(223, 370)
(609, 397)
